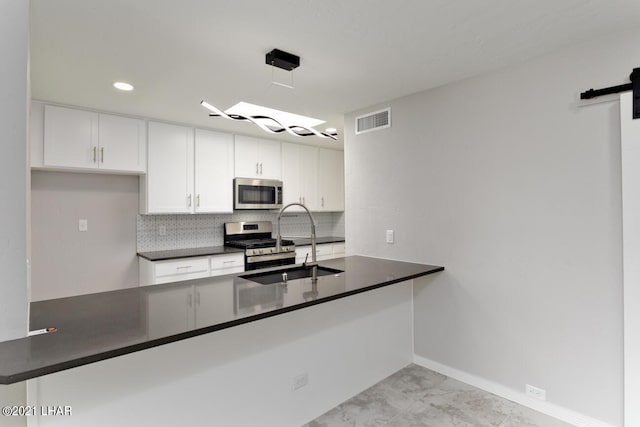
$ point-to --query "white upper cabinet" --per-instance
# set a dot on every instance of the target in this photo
(257, 158)
(330, 180)
(213, 171)
(70, 137)
(77, 139)
(168, 186)
(187, 174)
(299, 175)
(122, 141)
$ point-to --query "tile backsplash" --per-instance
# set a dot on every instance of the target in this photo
(196, 231)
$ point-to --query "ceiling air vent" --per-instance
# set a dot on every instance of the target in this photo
(373, 121)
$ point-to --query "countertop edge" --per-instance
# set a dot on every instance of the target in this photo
(74, 363)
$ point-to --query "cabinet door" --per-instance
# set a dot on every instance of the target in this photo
(121, 142)
(169, 311)
(246, 157)
(330, 180)
(70, 137)
(170, 169)
(308, 161)
(213, 171)
(291, 185)
(269, 159)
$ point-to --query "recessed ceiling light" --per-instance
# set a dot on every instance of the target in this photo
(331, 130)
(123, 86)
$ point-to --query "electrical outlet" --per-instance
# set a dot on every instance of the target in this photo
(300, 381)
(536, 392)
(162, 230)
(390, 236)
(83, 225)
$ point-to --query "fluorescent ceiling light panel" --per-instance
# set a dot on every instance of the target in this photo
(287, 119)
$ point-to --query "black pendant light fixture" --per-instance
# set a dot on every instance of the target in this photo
(286, 61)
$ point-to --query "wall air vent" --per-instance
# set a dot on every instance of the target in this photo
(373, 121)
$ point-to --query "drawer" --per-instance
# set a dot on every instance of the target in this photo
(228, 262)
(323, 252)
(193, 267)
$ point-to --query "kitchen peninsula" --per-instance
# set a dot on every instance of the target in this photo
(100, 326)
(281, 354)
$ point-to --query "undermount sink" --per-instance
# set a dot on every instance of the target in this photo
(270, 277)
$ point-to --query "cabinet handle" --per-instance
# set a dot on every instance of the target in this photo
(189, 198)
(183, 267)
(198, 200)
(260, 168)
(94, 154)
(257, 170)
(102, 155)
(322, 201)
(198, 298)
(228, 262)
(190, 300)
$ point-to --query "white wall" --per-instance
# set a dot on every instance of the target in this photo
(14, 92)
(14, 50)
(243, 376)
(515, 189)
(68, 262)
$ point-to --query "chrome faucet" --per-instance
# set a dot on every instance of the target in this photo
(314, 263)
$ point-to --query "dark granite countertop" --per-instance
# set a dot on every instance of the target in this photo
(188, 253)
(99, 326)
(304, 241)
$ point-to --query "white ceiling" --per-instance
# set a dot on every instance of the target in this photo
(354, 53)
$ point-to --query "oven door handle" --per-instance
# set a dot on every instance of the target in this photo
(260, 258)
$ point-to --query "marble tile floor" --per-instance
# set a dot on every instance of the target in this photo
(417, 396)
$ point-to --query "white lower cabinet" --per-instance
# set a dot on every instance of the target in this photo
(324, 251)
(176, 270)
(227, 264)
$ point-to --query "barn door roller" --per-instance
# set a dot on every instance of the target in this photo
(634, 86)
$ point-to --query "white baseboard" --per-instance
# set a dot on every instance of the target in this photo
(559, 412)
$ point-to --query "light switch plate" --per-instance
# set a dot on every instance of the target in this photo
(83, 225)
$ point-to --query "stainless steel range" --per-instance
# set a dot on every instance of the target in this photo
(259, 246)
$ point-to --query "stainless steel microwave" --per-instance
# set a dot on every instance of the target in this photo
(249, 193)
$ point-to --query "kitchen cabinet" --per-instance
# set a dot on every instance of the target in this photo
(188, 172)
(78, 139)
(175, 270)
(330, 180)
(299, 175)
(323, 252)
(257, 158)
(168, 185)
(213, 181)
(227, 264)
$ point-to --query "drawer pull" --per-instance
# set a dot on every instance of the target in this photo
(229, 262)
(184, 267)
